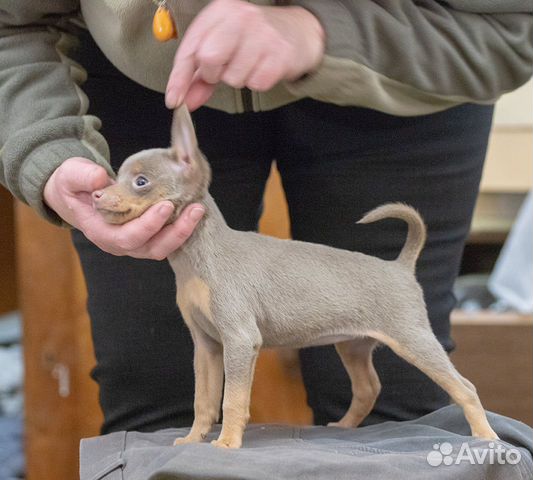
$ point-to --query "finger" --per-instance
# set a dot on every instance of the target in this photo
(82, 175)
(77, 209)
(96, 229)
(218, 45)
(185, 66)
(132, 235)
(266, 74)
(247, 55)
(199, 93)
(212, 53)
(179, 82)
(210, 73)
(208, 45)
(173, 236)
(203, 23)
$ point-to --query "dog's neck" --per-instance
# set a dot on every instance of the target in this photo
(207, 238)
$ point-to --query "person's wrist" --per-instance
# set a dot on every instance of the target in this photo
(49, 191)
(315, 36)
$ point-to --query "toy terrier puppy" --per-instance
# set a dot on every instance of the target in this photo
(240, 291)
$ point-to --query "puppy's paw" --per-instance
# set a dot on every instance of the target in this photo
(488, 434)
(187, 439)
(227, 443)
(342, 424)
(335, 424)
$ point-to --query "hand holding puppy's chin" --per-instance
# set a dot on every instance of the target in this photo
(68, 190)
(139, 233)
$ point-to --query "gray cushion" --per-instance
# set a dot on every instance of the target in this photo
(429, 447)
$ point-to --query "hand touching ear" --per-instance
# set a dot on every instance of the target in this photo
(68, 193)
(243, 45)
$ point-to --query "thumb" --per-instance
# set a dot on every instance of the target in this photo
(82, 175)
(199, 93)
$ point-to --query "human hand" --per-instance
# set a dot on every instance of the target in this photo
(68, 193)
(243, 45)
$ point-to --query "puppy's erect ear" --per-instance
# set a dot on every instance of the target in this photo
(190, 161)
(183, 137)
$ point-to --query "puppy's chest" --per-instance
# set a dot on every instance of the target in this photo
(193, 297)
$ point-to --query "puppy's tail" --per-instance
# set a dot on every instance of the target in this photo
(416, 234)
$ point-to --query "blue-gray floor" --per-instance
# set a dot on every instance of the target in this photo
(11, 456)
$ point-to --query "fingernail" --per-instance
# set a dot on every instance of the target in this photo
(196, 214)
(165, 209)
(171, 98)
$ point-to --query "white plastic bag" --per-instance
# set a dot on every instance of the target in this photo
(511, 281)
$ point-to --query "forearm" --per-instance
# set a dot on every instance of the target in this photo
(43, 120)
(411, 58)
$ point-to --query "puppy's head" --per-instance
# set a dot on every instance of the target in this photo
(180, 174)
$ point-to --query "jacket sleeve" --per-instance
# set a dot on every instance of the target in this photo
(43, 117)
(417, 57)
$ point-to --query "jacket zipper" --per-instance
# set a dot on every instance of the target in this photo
(247, 101)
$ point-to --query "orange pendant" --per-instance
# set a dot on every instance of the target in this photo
(163, 26)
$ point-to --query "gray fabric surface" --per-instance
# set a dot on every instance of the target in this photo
(385, 451)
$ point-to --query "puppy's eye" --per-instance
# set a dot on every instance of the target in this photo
(141, 181)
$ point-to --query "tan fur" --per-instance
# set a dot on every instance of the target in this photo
(239, 291)
(195, 293)
(236, 413)
(208, 363)
(356, 356)
(444, 374)
(209, 375)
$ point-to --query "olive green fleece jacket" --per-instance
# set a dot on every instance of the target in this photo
(401, 57)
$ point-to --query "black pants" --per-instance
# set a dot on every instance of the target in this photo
(336, 163)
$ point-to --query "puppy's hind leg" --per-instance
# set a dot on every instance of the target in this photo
(356, 356)
(420, 347)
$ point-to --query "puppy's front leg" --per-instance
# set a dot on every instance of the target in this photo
(239, 365)
(208, 379)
